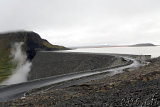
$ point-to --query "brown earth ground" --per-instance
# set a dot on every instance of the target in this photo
(139, 87)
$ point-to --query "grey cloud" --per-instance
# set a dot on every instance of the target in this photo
(84, 22)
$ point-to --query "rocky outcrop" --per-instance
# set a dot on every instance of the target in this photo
(32, 42)
(47, 64)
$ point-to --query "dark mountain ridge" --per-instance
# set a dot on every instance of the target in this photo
(143, 44)
(32, 42)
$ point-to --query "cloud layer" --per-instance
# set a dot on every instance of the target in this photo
(84, 22)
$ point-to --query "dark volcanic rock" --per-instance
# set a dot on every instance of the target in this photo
(47, 64)
(137, 88)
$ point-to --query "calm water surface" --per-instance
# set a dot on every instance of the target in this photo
(154, 51)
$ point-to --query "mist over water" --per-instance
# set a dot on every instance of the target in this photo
(23, 65)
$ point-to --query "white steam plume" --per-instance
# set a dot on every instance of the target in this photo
(23, 66)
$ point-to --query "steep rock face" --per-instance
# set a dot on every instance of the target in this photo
(32, 42)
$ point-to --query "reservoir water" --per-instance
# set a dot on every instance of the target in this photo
(148, 50)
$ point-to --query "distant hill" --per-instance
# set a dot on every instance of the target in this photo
(32, 43)
(105, 46)
(143, 44)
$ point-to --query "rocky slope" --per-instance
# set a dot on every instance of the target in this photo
(58, 63)
(140, 87)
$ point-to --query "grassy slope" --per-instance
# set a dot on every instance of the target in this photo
(6, 65)
(47, 44)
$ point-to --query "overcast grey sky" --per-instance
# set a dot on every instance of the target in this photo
(84, 22)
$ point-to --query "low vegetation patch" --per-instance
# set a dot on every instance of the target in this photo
(6, 66)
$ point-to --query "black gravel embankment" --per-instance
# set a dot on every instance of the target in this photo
(47, 64)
